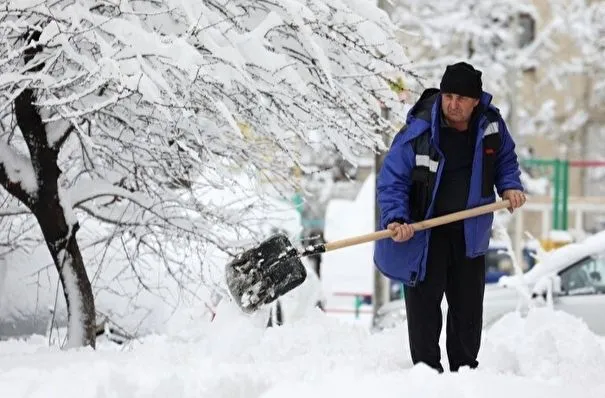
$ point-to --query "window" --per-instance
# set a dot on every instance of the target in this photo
(527, 31)
(585, 277)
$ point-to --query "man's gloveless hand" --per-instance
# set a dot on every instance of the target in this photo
(403, 232)
(516, 198)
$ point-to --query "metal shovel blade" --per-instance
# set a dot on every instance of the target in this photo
(260, 275)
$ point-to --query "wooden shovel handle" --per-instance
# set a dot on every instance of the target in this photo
(419, 226)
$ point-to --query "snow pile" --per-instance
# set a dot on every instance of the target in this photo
(546, 354)
(546, 344)
(317, 339)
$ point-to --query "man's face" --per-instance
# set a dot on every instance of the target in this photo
(457, 108)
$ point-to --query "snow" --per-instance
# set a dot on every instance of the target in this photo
(545, 345)
(554, 261)
(560, 236)
(67, 206)
(18, 168)
(75, 333)
(157, 94)
(246, 71)
(86, 190)
(546, 354)
(55, 130)
(166, 293)
(534, 186)
(350, 269)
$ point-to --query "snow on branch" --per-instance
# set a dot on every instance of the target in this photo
(152, 107)
(555, 46)
(17, 173)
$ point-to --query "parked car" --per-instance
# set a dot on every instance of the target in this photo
(570, 278)
(498, 263)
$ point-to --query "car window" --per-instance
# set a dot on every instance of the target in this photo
(585, 277)
(498, 261)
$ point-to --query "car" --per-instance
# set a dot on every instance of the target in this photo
(570, 278)
(498, 263)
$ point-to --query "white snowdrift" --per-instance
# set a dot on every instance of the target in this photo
(548, 354)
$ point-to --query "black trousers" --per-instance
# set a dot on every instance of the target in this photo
(462, 279)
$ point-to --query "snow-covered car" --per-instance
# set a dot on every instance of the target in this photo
(570, 278)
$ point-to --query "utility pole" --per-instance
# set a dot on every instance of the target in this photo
(512, 74)
(380, 294)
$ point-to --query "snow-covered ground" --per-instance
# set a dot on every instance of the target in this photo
(547, 354)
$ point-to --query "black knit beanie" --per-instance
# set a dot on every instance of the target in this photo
(462, 79)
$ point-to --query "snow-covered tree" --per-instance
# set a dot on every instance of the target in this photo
(582, 73)
(129, 112)
(542, 60)
(488, 34)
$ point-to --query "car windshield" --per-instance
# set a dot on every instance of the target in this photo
(587, 276)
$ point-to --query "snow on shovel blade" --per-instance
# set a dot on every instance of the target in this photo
(260, 275)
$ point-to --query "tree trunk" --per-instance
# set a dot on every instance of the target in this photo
(61, 241)
(45, 203)
(59, 234)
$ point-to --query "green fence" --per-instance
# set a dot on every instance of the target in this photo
(560, 187)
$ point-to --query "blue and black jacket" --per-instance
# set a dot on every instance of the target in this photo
(410, 175)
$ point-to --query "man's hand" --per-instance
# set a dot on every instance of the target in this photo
(516, 198)
(403, 231)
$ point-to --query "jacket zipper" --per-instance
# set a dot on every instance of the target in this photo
(429, 211)
(476, 164)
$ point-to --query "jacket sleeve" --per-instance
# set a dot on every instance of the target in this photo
(508, 173)
(394, 181)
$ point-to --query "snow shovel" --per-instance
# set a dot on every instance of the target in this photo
(260, 275)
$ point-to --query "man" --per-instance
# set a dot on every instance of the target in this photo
(454, 150)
